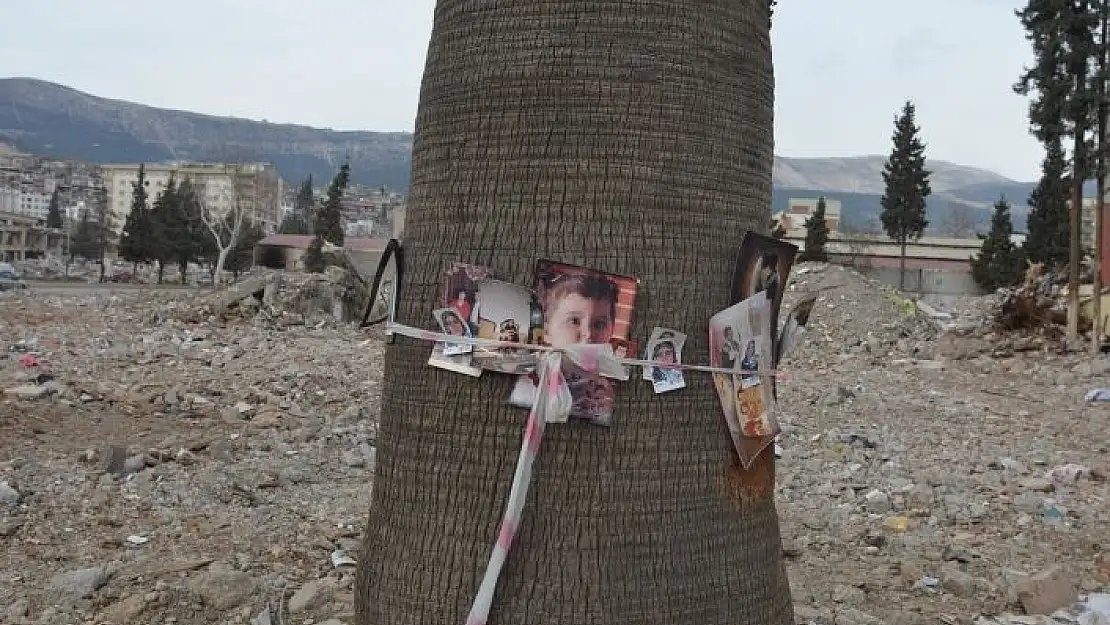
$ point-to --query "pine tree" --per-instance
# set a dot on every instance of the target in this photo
(329, 219)
(54, 213)
(907, 186)
(999, 263)
(83, 238)
(313, 259)
(301, 219)
(817, 235)
(166, 228)
(1048, 222)
(1064, 86)
(134, 245)
(195, 243)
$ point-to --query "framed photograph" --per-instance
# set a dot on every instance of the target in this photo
(580, 305)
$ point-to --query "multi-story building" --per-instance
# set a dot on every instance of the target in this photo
(35, 204)
(255, 188)
(799, 211)
(25, 202)
(23, 237)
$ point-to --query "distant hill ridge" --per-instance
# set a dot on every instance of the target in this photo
(46, 118)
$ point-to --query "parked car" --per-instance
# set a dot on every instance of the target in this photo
(9, 279)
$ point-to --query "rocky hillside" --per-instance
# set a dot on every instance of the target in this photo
(46, 118)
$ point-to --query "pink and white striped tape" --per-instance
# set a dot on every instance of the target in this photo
(552, 405)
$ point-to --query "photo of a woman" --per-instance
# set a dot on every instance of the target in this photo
(664, 378)
(451, 323)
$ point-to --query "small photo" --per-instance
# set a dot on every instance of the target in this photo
(456, 364)
(460, 288)
(665, 346)
(753, 417)
(460, 292)
(659, 334)
(505, 313)
(763, 266)
(451, 323)
(624, 348)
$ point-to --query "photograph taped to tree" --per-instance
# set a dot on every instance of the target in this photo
(451, 323)
(763, 266)
(580, 305)
(460, 291)
(504, 313)
(665, 346)
(740, 339)
(460, 294)
(624, 348)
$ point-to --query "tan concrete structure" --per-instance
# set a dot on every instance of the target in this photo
(794, 218)
(255, 187)
(22, 237)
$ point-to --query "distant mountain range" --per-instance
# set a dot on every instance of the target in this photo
(45, 118)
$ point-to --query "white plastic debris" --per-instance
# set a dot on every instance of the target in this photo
(339, 558)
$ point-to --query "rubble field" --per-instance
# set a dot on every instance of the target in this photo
(189, 456)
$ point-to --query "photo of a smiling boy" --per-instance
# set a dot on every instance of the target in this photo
(581, 306)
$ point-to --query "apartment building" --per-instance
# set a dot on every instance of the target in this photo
(255, 188)
(25, 202)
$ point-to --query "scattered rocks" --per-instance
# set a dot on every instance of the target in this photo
(878, 502)
(1048, 591)
(309, 596)
(80, 583)
(221, 588)
(9, 496)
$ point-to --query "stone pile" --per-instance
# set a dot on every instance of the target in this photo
(923, 485)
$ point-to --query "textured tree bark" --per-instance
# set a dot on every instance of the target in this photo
(630, 136)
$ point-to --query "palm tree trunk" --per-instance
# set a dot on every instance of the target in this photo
(633, 137)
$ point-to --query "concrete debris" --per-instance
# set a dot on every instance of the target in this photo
(9, 496)
(1048, 591)
(80, 583)
(930, 469)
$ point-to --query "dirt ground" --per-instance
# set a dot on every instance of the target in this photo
(197, 471)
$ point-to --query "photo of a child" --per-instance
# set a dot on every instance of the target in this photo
(451, 323)
(581, 306)
(624, 348)
(665, 346)
(460, 289)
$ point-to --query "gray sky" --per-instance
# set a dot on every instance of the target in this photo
(843, 67)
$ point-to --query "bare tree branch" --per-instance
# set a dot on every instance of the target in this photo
(225, 224)
(959, 222)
